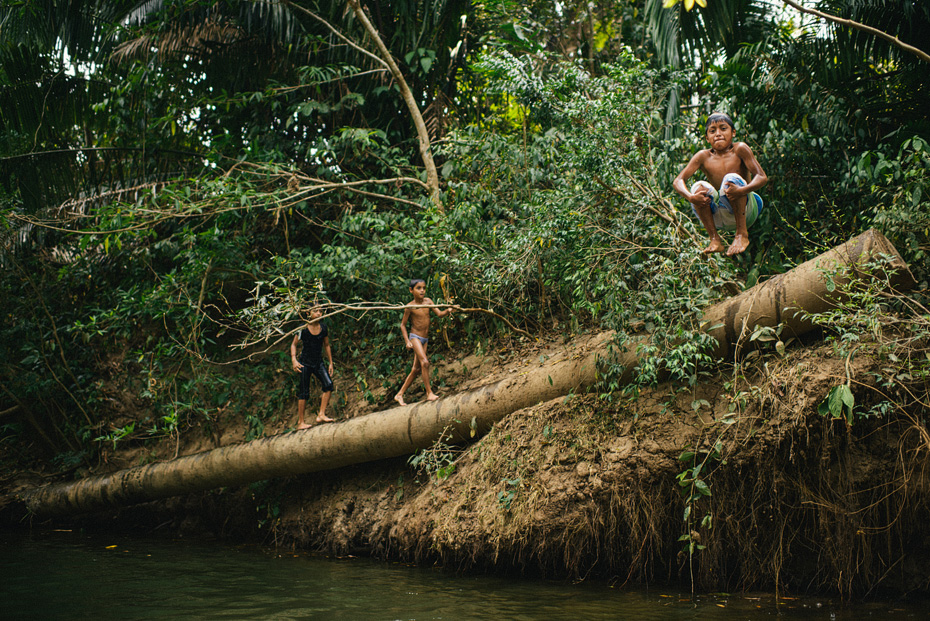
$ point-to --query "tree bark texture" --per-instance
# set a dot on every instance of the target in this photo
(381, 435)
(403, 430)
(785, 298)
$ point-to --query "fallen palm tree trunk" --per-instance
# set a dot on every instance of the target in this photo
(391, 433)
(404, 430)
(808, 289)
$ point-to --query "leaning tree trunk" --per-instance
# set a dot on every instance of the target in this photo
(403, 430)
(391, 433)
(808, 289)
(432, 176)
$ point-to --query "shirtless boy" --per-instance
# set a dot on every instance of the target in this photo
(416, 339)
(727, 165)
(314, 338)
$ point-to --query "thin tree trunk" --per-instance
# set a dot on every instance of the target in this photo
(432, 175)
(385, 58)
(403, 430)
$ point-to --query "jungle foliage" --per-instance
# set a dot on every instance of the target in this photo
(181, 177)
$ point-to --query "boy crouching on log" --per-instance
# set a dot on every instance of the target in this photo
(727, 165)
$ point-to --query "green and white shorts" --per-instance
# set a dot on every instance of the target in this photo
(720, 206)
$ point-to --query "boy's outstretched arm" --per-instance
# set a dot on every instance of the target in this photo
(436, 311)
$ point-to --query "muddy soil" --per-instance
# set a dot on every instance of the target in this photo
(576, 488)
(737, 483)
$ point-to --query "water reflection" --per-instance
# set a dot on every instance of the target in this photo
(68, 575)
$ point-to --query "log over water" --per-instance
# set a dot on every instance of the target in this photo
(391, 433)
(406, 429)
(784, 298)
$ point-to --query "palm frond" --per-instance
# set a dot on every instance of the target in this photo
(44, 105)
(183, 28)
(722, 27)
(74, 29)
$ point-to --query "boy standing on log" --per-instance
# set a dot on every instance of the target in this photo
(314, 338)
(727, 165)
(416, 339)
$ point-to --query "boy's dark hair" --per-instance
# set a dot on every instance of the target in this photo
(719, 116)
(414, 281)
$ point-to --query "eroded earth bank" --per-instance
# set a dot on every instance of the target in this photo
(737, 483)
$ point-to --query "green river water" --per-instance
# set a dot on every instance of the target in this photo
(71, 575)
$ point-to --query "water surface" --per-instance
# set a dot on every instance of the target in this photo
(71, 575)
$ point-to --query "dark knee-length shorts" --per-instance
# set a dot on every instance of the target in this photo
(313, 370)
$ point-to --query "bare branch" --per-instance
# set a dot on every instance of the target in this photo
(646, 191)
(72, 209)
(858, 26)
(278, 332)
(332, 29)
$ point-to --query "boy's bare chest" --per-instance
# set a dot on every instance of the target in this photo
(419, 314)
(716, 166)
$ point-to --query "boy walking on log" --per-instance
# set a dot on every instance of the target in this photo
(315, 339)
(416, 339)
(727, 166)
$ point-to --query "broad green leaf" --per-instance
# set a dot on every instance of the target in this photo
(839, 403)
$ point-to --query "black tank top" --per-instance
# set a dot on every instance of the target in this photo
(312, 351)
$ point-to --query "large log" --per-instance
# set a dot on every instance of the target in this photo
(404, 430)
(391, 433)
(787, 298)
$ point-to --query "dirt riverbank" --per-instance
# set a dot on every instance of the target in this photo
(576, 488)
(580, 487)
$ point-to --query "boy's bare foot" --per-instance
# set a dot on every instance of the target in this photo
(400, 399)
(323, 418)
(740, 243)
(303, 426)
(432, 396)
(715, 245)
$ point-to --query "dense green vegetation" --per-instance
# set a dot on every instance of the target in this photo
(183, 176)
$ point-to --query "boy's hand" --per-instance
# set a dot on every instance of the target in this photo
(732, 191)
(409, 344)
(701, 198)
(297, 366)
(330, 368)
